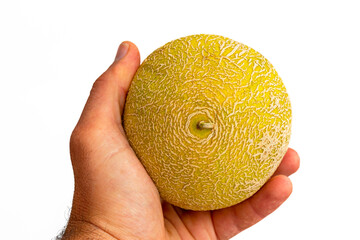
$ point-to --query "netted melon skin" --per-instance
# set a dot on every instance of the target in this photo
(213, 79)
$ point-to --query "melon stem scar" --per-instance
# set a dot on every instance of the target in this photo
(205, 125)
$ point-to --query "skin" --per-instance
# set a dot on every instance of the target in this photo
(115, 198)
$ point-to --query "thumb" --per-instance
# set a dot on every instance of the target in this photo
(107, 97)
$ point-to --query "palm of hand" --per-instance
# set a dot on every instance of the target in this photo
(115, 195)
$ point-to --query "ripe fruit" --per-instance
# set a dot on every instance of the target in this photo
(210, 120)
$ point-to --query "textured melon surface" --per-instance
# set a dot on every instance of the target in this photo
(210, 120)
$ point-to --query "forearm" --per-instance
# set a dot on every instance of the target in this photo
(77, 230)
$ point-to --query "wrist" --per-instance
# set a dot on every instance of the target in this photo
(77, 230)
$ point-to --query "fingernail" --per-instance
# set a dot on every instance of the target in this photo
(123, 49)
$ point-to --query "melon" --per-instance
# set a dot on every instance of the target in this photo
(210, 120)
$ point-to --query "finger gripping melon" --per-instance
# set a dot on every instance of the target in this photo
(209, 118)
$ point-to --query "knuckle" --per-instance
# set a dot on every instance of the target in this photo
(81, 144)
(98, 84)
(84, 136)
(76, 138)
(79, 136)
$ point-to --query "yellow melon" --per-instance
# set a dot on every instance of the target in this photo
(210, 120)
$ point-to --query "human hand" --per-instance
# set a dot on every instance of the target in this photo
(115, 198)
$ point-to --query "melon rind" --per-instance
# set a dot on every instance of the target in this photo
(215, 79)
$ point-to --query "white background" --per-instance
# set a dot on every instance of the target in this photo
(52, 51)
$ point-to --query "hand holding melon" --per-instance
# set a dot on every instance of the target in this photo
(198, 132)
